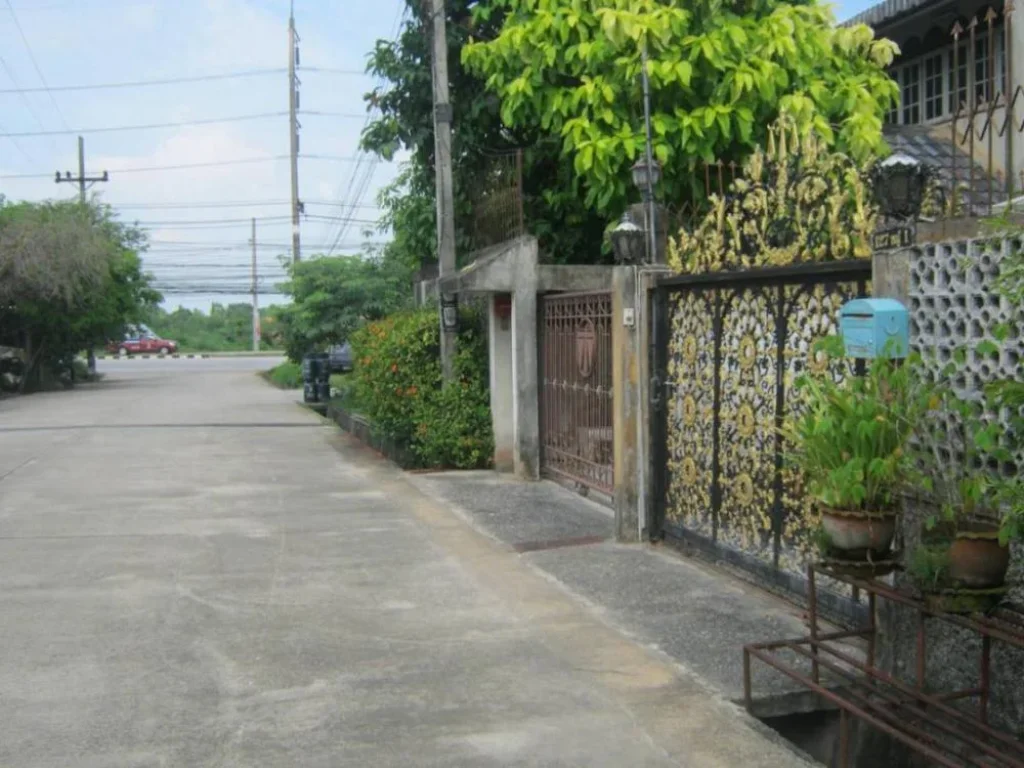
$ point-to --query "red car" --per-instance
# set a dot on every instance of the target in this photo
(143, 345)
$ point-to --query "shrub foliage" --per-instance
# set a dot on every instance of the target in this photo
(399, 387)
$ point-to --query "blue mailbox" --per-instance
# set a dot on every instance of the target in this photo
(875, 327)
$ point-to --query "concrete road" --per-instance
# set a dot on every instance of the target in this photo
(195, 571)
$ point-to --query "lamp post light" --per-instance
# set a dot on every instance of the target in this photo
(629, 242)
(646, 177)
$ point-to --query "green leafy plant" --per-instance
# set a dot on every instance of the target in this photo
(719, 75)
(929, 565)
(849, 440)
(399, 387)
(962, 453)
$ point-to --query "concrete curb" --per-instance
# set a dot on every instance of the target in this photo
(155, 357)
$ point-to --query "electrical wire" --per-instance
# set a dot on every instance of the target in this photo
(224, 204)
(180, 124)
(180, 166)
(172, 80)
(349, 202)
(35, 64)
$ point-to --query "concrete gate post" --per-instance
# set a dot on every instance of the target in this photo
(526, 402)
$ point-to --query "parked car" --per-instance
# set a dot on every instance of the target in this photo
(340, 358)
(146, 344)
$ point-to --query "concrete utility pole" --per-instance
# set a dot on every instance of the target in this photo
(255, 295)
(443, 174)
(81, 179)
(293, 125)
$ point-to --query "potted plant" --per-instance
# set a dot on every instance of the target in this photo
(966, 542)
(849, 443)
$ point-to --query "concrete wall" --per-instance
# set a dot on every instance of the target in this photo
(953, 655)
(502, 396)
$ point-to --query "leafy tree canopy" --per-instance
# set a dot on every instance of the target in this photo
(334, 296)
(70, 277)
(719, 74)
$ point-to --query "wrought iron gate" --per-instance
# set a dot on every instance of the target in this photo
(728, 348)
(576, 388)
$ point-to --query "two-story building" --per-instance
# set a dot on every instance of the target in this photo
(956, 71)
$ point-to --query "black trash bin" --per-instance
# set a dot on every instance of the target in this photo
(316, 378)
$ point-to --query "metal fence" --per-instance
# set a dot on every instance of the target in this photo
(576, 388)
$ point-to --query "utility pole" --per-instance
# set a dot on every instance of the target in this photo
(293, 127)
(255, 295)
(81, 179)
(443, 183)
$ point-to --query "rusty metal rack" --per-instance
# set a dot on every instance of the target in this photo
(922, 720)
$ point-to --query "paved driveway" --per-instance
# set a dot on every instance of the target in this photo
(195, 571)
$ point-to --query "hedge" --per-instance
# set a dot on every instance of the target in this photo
(399, 388)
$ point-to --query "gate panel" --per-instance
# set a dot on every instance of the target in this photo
(732, 346)
(576, 388)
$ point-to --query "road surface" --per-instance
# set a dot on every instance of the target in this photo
(196, 571)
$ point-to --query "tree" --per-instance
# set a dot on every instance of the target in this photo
(553, 210)
(719, 75)
(70, 277)
(334, 296)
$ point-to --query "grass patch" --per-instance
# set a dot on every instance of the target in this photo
(287, 375)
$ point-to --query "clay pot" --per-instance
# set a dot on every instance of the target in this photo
(977, 560)
(859, 535)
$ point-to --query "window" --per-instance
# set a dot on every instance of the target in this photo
(911, 82)
(982, 79)
(893, 115)
(957, 79)
(934, 74)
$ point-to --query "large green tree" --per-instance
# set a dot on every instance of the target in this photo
(720, 73)
(554, 211)
(70, 278)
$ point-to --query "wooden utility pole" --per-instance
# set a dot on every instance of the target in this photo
(81, 179)
(255, 295)
(293, 126)
(443, 183)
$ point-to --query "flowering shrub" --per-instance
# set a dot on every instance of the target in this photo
(399, 388)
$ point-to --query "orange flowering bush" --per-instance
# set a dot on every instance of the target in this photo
(399, 388)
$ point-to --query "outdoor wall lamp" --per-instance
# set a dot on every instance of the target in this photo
(629, 242)
(899, 184)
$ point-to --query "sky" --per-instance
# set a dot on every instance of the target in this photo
(199, 236)
(199, 232)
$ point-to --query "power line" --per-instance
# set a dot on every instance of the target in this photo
(32, 58)
(179, 124)
(226, 222)
(349, 200)
(225, 204)
(153, 82)
(183, 166)
(24, 98)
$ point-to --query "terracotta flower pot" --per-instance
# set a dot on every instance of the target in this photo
(977, 560)
(859, 535)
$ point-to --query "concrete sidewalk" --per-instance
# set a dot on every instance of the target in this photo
(195, 571)
(697, 616)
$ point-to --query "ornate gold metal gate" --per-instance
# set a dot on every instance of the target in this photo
(729, 347)
(576, 388)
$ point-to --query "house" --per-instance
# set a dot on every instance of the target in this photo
(957, 74)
